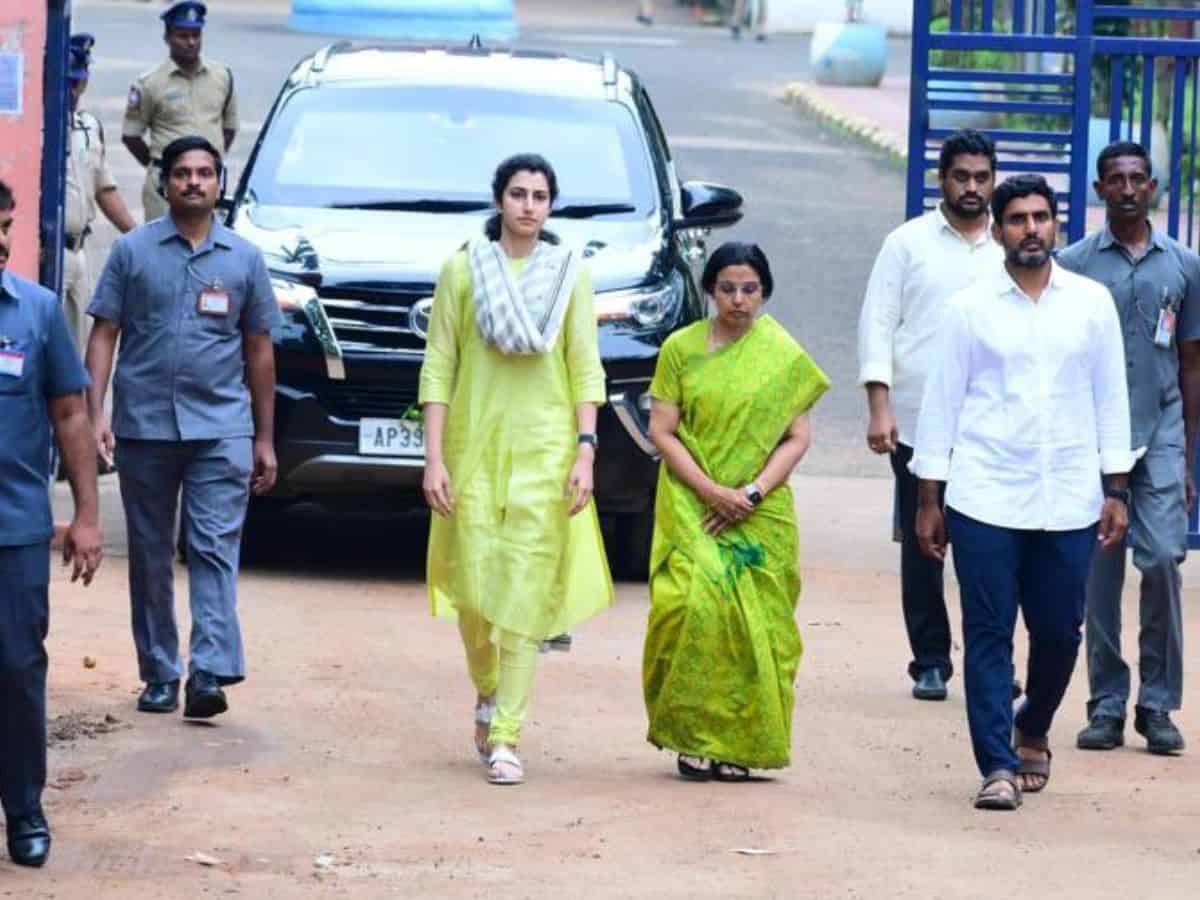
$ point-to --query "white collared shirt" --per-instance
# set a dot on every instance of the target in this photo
(921, 265)
(1027, 404)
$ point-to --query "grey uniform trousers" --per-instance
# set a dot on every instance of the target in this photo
(215, 479)
(1158, 533)
(24, 622)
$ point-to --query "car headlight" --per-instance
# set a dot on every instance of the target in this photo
(291, 295)
(648, 306)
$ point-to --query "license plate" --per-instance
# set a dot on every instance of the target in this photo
(391, 437)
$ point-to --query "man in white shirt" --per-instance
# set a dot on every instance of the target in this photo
(1025, 410)
(921, 265)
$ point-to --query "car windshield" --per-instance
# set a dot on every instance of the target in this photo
(434, 149)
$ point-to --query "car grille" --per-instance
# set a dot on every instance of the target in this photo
(366, 400)
(373, 318)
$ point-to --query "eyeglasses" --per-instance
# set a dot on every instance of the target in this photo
(746, 288)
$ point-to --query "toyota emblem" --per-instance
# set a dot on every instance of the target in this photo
(418, 317)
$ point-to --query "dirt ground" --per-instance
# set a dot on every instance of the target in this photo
(344, 768)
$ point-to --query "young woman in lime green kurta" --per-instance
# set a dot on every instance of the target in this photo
(509, 561)
(722, 646)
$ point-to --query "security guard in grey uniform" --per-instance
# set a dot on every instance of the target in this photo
(89, 185)
(186, 95)
(41, 383)
(193, 407)
(1155, 282)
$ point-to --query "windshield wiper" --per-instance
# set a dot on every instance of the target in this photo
(587, 210)
(433, 206)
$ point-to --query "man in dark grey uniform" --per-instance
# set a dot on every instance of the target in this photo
(41, 383)
(193, 305)
(1155, 282)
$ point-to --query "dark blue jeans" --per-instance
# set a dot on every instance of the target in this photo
(999, 569)
(922, 590)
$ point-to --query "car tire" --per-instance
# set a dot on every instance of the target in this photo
(634, 535)
(260, 530)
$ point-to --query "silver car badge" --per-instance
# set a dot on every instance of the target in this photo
(419, 315)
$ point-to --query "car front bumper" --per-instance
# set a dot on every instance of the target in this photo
(319, 461)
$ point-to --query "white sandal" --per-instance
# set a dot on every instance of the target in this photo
(483, 716)
(502, 755)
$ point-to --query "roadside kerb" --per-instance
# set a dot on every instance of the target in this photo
(813, 101)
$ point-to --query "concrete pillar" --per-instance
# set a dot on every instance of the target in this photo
(421, 20)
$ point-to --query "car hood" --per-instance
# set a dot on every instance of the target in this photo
(403, 247)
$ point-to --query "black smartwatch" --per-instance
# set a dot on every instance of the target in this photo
(589, 439)
(753, 494)
(1121, 494)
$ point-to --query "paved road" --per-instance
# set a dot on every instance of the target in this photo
(818, 205)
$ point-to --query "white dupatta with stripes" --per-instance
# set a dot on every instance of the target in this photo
(521, 315)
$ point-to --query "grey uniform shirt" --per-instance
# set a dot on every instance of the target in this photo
(1166, 274)
(180, 373)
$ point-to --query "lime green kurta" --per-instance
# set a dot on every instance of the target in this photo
(509, 552)
(722, 646)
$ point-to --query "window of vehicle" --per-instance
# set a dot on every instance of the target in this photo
(355, 145)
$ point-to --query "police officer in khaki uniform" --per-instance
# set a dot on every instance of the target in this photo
(186, 95)
(89, 185)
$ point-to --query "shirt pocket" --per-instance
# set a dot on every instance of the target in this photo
(223, 324)
(148, 300)
(175, 107)
(12, 385)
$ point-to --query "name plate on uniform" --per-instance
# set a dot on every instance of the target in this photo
(391, 437)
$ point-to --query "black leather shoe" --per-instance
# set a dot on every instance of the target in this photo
(930, 685)
(203, 696)
(1162, 737)
(160, 697)
(1101, 733)
(29, 840)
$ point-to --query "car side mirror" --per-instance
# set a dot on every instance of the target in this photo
(225, 207)
(709, 206)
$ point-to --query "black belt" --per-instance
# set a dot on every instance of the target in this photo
(74, 242)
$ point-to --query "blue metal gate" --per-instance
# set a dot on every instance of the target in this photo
(1033, 72)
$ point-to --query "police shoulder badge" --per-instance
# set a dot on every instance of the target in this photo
(135, 96)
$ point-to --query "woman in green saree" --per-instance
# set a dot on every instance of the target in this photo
(731, 396)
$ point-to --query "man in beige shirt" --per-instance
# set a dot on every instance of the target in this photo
(89, 185)
(185, 95)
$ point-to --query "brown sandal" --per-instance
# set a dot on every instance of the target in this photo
(1037, 768)
(987, 798)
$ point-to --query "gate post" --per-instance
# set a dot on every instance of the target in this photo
(54, 146)
(1077, 220)
(918, 108)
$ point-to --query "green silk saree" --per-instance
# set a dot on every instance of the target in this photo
(722, 646)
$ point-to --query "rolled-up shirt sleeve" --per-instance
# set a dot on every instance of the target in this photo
(945, 390)
(1110, 391)
(108, 301)
(260, 313)
(1189, 308)
(880, 315)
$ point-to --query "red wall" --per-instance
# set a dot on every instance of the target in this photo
(23, 30)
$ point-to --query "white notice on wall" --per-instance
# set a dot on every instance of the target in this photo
(12, 83)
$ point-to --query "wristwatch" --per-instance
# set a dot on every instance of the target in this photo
(753, 493)
(585, 438)
(1121, 494)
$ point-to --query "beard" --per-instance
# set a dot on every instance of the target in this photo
(973, 211)
(1026, 257)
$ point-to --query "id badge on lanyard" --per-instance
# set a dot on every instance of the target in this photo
(12, 361)
(1164, 329)
(213, 300)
